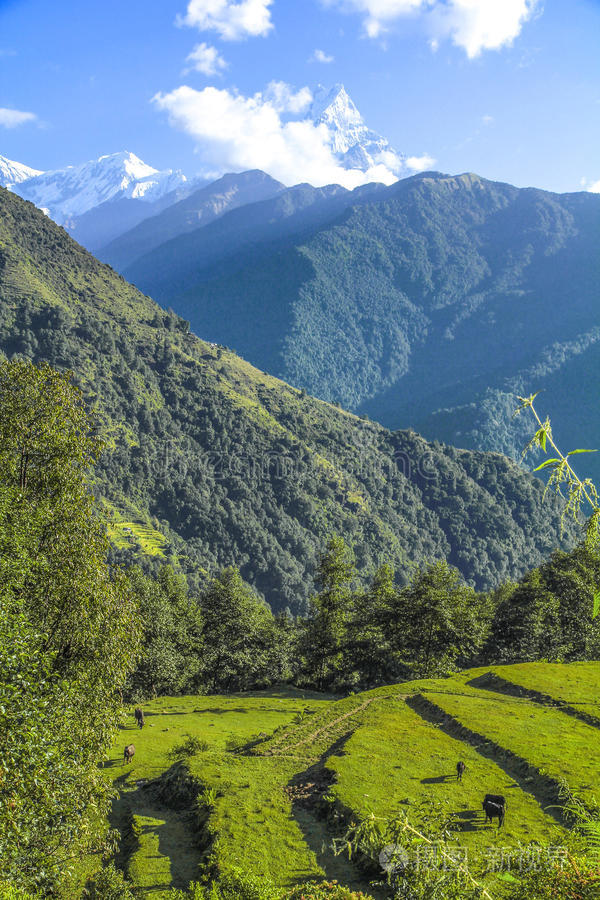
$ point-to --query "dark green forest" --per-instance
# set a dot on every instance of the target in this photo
(209, 463)
(424, 304)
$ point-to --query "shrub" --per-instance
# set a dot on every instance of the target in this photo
(189, 747)
(108, 884)
(326, 890)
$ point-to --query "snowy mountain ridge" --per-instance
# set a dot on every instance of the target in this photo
(12, 172)
(72, 191)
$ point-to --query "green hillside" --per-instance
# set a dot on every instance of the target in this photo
(425, 304)
(277, 775)
(210, 462)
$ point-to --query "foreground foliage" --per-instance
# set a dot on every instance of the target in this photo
(69, 630)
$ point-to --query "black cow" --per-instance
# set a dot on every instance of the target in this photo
(139, 717)
(128, 754)
(460, 768)
(494, 807)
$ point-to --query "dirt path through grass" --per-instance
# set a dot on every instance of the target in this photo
(329, 726)
(310, 809)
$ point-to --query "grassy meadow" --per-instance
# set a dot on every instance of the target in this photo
(264, 781)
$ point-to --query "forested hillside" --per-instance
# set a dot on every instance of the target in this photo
(425, 304)
(211, 462)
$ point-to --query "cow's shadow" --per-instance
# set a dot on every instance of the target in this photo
(469, 820)
(439, 779)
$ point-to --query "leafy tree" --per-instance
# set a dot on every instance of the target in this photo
(326, 629)
(368, 649)
(171, 658)
(546, 615)
(440, 622)
(525, 621)
(239, 633)
(68, 629)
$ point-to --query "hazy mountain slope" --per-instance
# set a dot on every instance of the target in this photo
(219, 463)
(242, 237)
(418, 299)
(196, 210)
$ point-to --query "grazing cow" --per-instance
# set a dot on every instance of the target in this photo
(128, 754)
(460, 768)
(139, 717)
(494, 807)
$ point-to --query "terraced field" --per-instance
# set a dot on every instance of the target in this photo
(273, 777)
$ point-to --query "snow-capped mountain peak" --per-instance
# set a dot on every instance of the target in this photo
(74, 190)
(335, 109)
(354, 144)
(12, 172)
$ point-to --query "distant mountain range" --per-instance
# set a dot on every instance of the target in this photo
(429, 303)
(210, 462)
(196, 210)
(100, 200)
(68, 193)
(115, 191)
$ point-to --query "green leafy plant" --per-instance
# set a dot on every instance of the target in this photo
(426, 836)
(108, 884)
(581, 495)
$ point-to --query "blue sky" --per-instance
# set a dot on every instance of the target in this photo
(509, 89)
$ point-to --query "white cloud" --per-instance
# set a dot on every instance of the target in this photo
(206, 59)
(234, 21)
(321, 57)
(487, 120)
(12, 118)
(379, 14)
(285, 100)
(594, 188)
(419, 163)
(235, 133)
(477, 25)
(473, 25)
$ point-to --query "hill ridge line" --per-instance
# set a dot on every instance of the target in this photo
(492, 681)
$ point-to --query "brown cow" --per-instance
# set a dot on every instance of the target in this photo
(128, 754)
(460, 768)
(139, 717)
